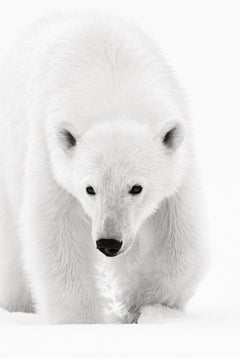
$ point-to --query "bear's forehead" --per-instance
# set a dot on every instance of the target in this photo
(116, 172)
(113, 162)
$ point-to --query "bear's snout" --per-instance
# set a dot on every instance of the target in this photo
(108, 246)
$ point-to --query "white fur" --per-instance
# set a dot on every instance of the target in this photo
(105, 82)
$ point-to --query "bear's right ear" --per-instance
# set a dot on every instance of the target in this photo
(66, 136)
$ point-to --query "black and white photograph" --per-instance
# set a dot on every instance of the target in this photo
(119, 179)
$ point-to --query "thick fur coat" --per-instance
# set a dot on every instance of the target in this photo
(95, 145)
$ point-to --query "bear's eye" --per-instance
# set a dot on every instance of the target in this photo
(90, 190)
(136, 189)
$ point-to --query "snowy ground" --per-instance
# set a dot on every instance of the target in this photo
(176, 336)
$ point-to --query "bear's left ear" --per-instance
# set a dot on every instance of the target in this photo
(66, 136)
(172, 134)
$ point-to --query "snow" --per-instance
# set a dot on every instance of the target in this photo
(176, 336)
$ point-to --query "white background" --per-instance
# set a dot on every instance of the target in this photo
(201, 40)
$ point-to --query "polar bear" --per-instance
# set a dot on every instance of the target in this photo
(96, 165)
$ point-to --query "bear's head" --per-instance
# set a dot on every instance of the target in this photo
(120, 172)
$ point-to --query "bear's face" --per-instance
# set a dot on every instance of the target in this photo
(120, 173)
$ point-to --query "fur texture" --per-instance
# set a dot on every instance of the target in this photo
(90, 102)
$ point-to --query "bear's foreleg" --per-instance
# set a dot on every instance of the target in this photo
(58, 250)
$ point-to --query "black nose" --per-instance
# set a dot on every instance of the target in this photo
(110, 247)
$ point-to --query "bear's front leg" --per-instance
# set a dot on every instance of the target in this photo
(130, 317)
(58, 251)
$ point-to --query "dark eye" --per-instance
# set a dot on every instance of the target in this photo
(90, 190)
(136, 189)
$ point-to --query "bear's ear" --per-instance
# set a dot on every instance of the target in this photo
(172, 134)
(66, 136)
